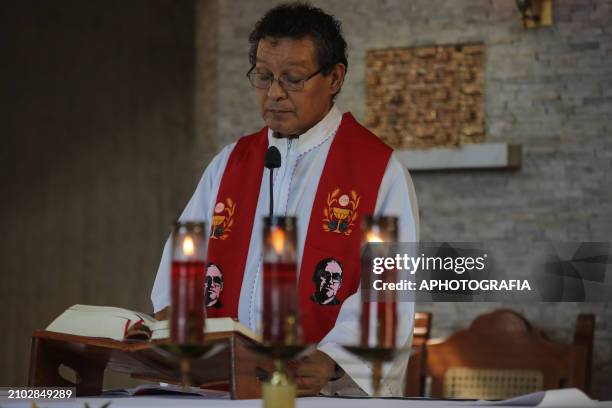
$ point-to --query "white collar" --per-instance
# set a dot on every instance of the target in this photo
(313, 136)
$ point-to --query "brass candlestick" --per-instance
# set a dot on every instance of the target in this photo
(279, 390)
(377, 356)
(281, 327)
(187, 294)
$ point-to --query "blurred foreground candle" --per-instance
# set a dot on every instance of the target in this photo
(379, 315)
(280, 307)
(187, 283)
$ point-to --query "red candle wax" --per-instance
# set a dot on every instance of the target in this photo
(366, 285)
(382, 321)
(387, 324)
(187, 302)
(280, 325)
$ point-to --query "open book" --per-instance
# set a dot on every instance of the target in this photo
(165, 389)
(123, 324)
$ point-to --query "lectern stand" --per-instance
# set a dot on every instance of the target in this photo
(235, 367)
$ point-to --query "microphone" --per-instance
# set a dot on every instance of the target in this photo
(272, 161)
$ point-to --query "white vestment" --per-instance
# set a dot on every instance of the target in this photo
(295, 186)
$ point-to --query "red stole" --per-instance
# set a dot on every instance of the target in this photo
(330, 269)
(232, 218)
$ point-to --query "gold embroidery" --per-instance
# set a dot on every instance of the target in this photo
(341, 212)
(223, 219)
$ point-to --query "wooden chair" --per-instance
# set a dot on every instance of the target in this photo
(415, 374)
(501, 355)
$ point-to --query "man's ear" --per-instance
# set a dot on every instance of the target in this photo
(337, 78)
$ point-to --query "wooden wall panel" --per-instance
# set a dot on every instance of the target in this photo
(101, 152)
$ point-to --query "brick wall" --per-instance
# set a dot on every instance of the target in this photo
(428, 96)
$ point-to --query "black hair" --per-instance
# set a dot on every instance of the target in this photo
(320, 268)
(299, 20)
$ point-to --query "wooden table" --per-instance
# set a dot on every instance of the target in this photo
(236, 367)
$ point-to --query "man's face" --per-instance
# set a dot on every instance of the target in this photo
(293, 112)
(214, 283)
(330, 280)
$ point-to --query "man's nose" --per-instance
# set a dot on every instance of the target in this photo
(276, 91)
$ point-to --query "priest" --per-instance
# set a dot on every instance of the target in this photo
(298, 63)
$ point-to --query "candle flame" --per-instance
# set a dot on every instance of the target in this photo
(188, 246)
(372, 236)
(277, 238)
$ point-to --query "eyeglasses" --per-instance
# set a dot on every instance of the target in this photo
(287, 82)
(210, 280)
(331, 276)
